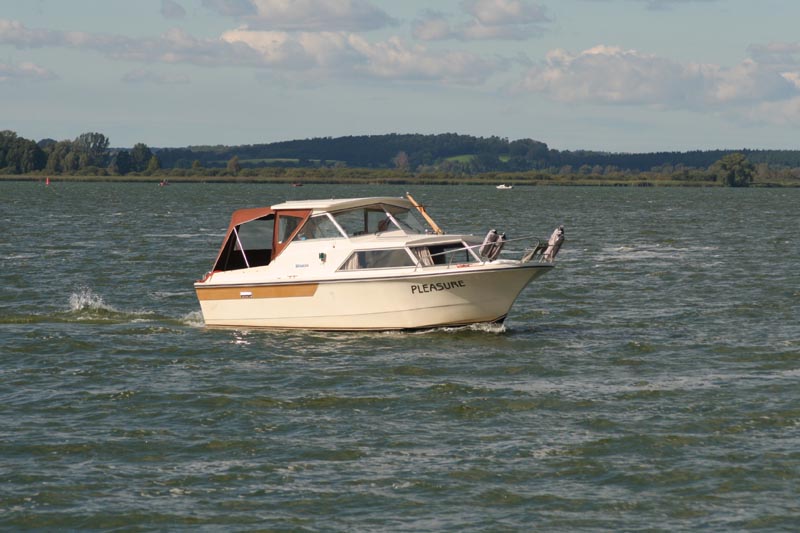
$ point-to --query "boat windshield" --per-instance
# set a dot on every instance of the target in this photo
(377, 219)
(318, 227)
(408, 221)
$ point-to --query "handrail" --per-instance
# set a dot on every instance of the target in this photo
(236, 233)
(534, 248)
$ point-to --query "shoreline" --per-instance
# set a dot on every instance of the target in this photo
(477, 180)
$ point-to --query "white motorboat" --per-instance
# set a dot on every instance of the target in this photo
(361, 264)
(504, 187)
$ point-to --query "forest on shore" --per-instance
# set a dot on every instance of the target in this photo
(392, 158)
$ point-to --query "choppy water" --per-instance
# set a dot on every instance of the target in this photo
(652, 381)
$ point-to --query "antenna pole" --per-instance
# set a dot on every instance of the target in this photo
(436, 229)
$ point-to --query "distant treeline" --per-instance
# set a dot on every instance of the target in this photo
(450, 152)
(446, 154)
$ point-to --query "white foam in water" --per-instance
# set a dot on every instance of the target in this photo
(484, 327)
(89, 304)
(488, 327)
(86, 300)
(194, 319)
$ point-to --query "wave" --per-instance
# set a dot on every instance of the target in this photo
(193, 319)
(83, 305)
(482, 327)
(21, 256)
(87, 306)
(161, 295)
(650, 252)
(182, 235)
(86, 300)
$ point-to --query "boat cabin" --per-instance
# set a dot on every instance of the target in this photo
(255, 237)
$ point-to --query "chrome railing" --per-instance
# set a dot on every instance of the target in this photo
(535, 250)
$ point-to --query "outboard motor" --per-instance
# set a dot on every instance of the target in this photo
(488, 244)
(554, 244)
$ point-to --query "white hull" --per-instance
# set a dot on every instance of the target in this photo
(406, 301)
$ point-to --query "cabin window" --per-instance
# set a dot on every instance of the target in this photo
(375, 219)
(378, 259)
(353, 222)
(249, 245)
(407, 220)
(286, 226)
(443, 254)
(318, 227)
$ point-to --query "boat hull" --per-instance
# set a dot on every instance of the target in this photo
(415, 301)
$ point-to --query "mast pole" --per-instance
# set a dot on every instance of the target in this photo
(436, 229)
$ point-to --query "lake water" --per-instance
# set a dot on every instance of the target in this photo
(651, 381)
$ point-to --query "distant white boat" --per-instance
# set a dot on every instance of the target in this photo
(504, 186)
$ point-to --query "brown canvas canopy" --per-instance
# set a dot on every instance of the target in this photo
(243, 216)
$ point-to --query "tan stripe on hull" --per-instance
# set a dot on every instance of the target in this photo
(274, 291)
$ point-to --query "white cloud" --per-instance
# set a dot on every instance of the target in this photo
(751, 82)
(433, 26)
(295, 50)
(344, 54)
(15, 33)
(322, 54)
(25, 71)
(611, 75)
(177, 46)
(487, 19)
(394, 59)
(504, 12)
(304, 15)
(780, 55)
(785, 113)
(174, 46)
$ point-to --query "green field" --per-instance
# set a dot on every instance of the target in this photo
(465, 158)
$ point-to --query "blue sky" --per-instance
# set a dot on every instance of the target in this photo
(615, 75)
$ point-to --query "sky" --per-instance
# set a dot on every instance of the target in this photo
(610, 75)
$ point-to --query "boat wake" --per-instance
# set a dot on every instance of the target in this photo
(483, 327)
(193, 319)
(86, 306)
(489, 328)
